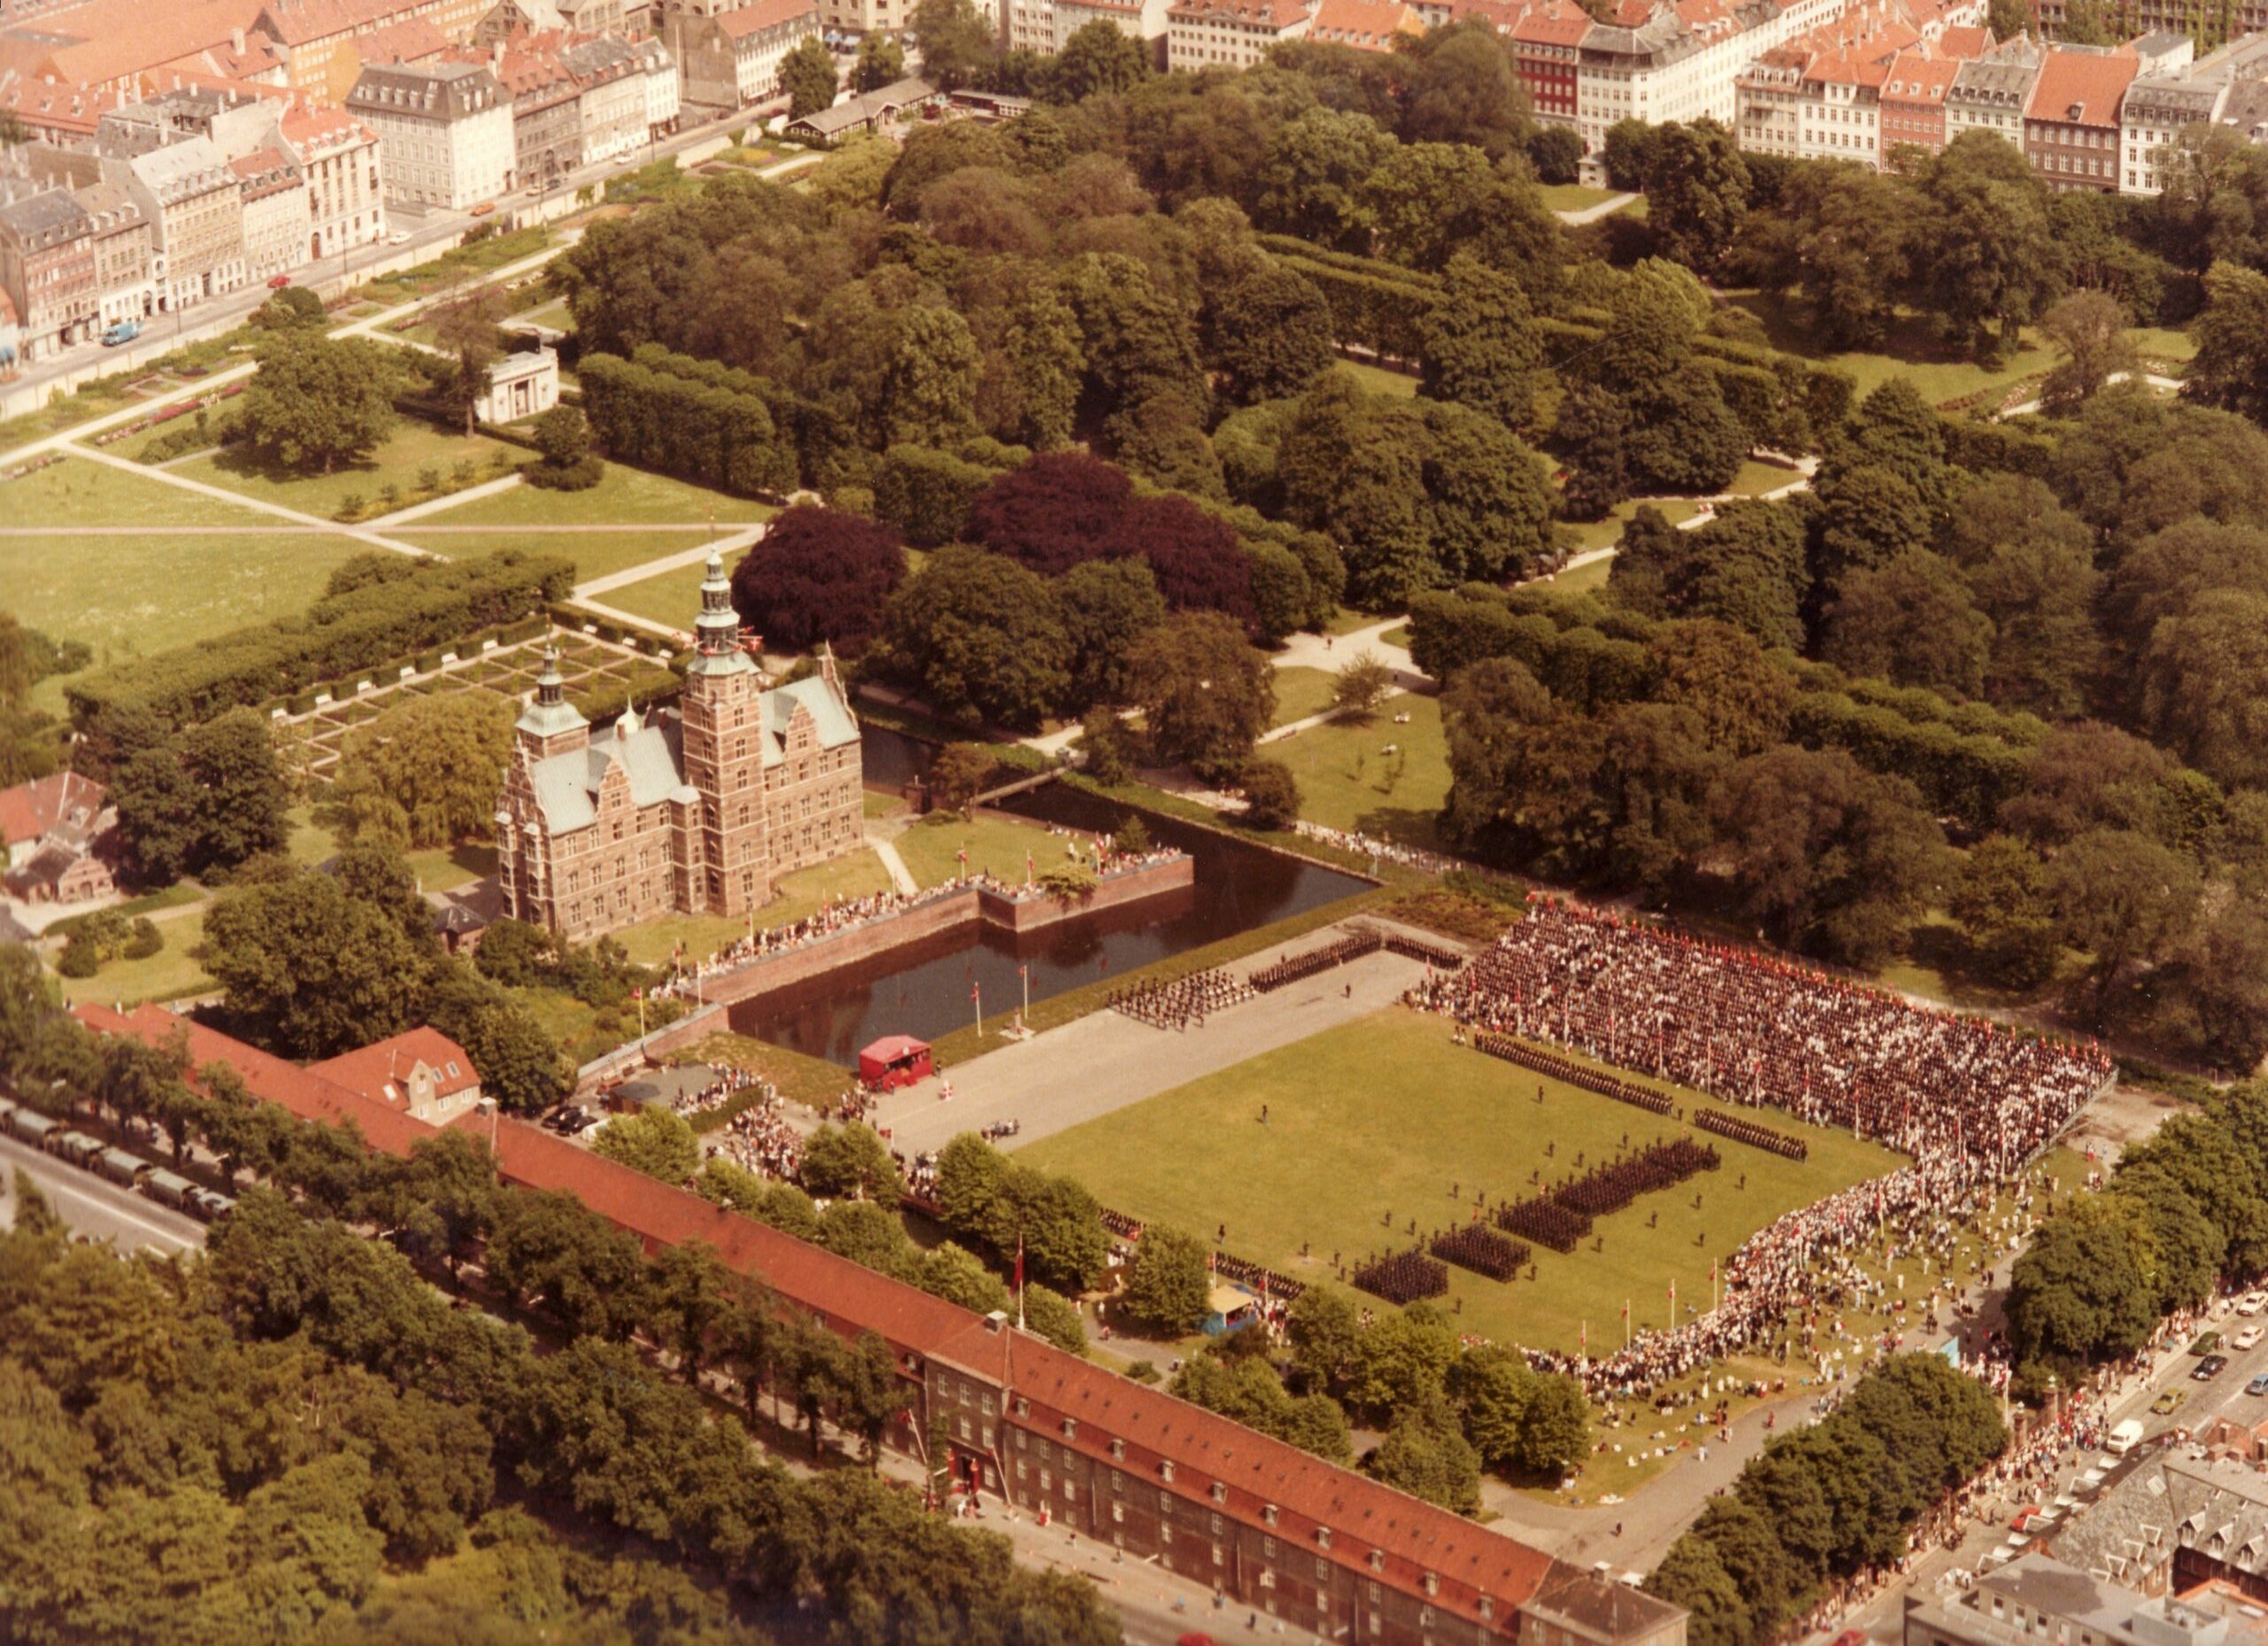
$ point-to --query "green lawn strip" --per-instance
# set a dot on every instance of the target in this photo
(1397, 636)
(1392, 1119)
(877, 804)
(671, 599)
(595, 554)
(1380, 379)
(1940, 370)
(806, 1080)
(1300, 692)
(132, 594)
(1755, 479)
(445, 868)
(1572, 196)
(414, 446)
(1077, 1003)
(1587, 579)
(311, 843)
(169, 974)
(996, 845)
(1346, 780)
(495, 251)
(628, 497)
(796, 895)
(1589, 534)
(80, 492)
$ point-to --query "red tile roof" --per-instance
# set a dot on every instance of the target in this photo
(379, 1069)
(412, 40)
(306, 1094)
(29, 809)
(2083, 87)
(1965, 42)
(1257, 1469)
(1366, 25)
(114, 38)
(742, 21)
(1917, 77)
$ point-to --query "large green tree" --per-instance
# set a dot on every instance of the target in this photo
(1206, 693)
(316, 402)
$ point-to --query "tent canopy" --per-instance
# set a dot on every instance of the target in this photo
(900, 1056)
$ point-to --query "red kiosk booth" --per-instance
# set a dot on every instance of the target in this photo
(895, 1060)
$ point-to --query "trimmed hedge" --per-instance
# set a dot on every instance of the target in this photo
(692, 418)
(400, 610)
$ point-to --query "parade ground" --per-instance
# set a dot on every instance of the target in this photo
(1377, 1123)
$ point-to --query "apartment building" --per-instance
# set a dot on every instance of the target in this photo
(1547, 44)
(546, 105)
(339, 157)
(2071, 121)
(125, 247)
(1364, 25)
(1233, 34)
(729, 59)
(319, 36)
(1913, 102)
(47, 266)
(664, 91)
(445, 132)
(196, 203)
(276, 216)
(610, 84)
(1990, 93)
(237, 123)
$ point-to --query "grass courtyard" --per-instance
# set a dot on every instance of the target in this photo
(1348, 780)
(995, 844)
(80, 492)
(669, 599)
(1377, 1122)
(171, 974)
(628, 497)
(1300, 692)
(596, 554)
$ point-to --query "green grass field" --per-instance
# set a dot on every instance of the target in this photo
(1941, 371)
(595, 554)
(625, 497)
(1375, 1123)
(671, 599)
(1587, 579)
(79, 491)
(996, 845)
(795, 896)
(1572, 196)
(1380, 379)
(1755, 479)
(169, 974)
(1348, 781)
(1300, 692)
(413, 446)
(134, 595)
(1586, 534)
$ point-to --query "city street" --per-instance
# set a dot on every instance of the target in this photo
(92, 1206)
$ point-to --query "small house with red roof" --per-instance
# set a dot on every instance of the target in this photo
(421, 1072)
(58, 830)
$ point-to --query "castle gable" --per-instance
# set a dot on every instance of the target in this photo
(832, 721)
(568, 786)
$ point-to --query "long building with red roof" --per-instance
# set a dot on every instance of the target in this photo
(1273, 1528)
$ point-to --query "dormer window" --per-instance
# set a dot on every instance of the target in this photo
(1378, 1560)
(1070, 1429)
(1118, 1451)
(1322, 1537)
(1023, 1406)
(1220, 1492)
(1268, 1513)
(1433, 1582)
(1165, 1470)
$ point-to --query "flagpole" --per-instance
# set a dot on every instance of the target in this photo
(976, 994)
(1023, 970)
(1020, 1280)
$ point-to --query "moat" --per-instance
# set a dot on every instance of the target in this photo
(924, 988)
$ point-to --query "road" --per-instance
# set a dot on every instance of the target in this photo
(430, 232)
(93, 1206)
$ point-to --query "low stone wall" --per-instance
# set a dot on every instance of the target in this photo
(1026, 914)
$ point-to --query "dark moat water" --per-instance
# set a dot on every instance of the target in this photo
(924, 989)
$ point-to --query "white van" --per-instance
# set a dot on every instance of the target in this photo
(2125, 1438)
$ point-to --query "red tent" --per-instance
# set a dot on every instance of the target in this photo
(895, 1060)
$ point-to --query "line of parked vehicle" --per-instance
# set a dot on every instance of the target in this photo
(122, 1167)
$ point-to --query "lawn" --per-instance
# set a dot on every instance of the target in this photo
(624, 497)
(168, 975)
(80, 492)
(1587, 579)
(1940, 370)
(135, 594)
(413, 446)
(1346, 780)
(1380, 379)
(445, 868)
(795, 896)
(1755, 479)
(996, 845)
(595, 554)
(1300, 692)
(1587, 534)
(671, 599)
(1573, 197)
(1379, 1124)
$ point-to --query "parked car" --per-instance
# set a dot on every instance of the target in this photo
(124, 331)
(277, 282)
(2206, 1343)
(2252, 1302)
(2258, 1386)
(2210, 1368)
(399, 236)
(2249, 1336)
(2169, 1401)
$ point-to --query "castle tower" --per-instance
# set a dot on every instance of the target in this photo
(725, 750)
(551, 724)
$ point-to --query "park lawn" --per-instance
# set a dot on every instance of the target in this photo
(1573, 197)
(670, 599)
(311, 843)
(1375, 1124)
(131, 595)
(1347, 782)
(626, 497)
(877, 804)
(1380, 379)
(1588, 534)
(413, 446)
(445, 868)
(1397, 636)
(1587, 579)
(854, 875)
(997, 845)
(80, 492)
(595, 554)
(1756, 478)
(1941, 371)
(1300, 692)
(169, 974)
